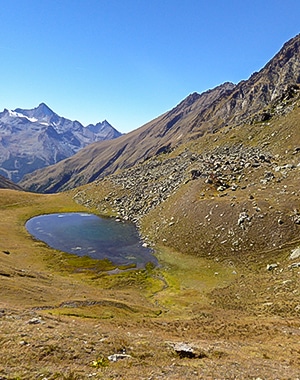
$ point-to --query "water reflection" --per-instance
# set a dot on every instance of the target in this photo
(90, 235)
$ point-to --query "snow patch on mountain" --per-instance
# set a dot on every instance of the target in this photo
(31, 139)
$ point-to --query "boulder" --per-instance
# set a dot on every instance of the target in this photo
(295, 254)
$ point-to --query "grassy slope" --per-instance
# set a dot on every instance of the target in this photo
(37, 281)
(228, 306)
(242, 319)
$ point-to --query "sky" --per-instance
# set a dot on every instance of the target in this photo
(129, 61)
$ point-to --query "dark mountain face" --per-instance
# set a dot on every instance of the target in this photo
(34, 138)
(260, 91)
(7, 184)
(231, 105)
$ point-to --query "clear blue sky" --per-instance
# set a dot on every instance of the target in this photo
(129, 61)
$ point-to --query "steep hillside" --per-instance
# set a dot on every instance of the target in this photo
(38, 137)
(7, 184)
(260, 91)
(233, 191)
(101, 159)
(254, 99)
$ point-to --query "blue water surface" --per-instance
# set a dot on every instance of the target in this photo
(90, 235)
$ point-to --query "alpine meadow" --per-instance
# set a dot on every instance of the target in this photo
(213, 187)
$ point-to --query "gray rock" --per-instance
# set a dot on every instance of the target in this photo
(34, 321)
(116, 357)
(294, 265)
(295, 254)
(243, 219)
(185, 350)
(272, 266)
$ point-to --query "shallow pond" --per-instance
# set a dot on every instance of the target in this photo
(90, 235)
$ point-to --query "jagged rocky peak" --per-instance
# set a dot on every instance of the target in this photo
(99, 126)
(207, 95)
(289, 50)
(280, 72)
(44, 109)
(41, 112)
(263, 88)
(104, 130)
(46, 137)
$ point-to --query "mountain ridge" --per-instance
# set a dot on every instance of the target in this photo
(7, 184)
(196, 115)
(47, 138)
(152, 138)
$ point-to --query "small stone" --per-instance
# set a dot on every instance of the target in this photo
(271, 266)
(295, 254)
(185, 350)
(116, 357)
(294, 265)
(34, 321)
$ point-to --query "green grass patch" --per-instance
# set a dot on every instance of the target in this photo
(189, 279)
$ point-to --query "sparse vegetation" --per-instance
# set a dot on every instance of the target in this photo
(224, 301)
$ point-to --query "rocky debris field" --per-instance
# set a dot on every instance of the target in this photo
(236, 198)
(144, 186)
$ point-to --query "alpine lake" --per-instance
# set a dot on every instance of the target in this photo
(84, 234)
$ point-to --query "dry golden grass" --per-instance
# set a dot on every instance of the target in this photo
(57, 322)
(61, 316)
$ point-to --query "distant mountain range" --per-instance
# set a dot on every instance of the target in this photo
(31, 139)
(250, 101)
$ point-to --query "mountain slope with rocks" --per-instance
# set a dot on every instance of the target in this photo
(103, 158)
(236, 190)
(46, 139)
(231, 191)
(249, 101)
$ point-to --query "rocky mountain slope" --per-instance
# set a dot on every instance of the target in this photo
(219, 317)
(45, 137)
(249, 101)
(233, 191)
(230, 191)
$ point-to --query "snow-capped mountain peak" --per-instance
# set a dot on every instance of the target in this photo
(19, 114)
(33, 138)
